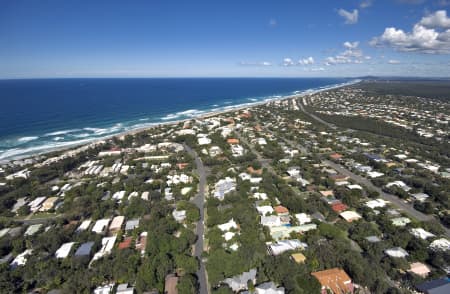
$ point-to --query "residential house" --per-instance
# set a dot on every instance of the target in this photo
(282, 246)
(21, 259)
(101, 226)
(64, 250)
(350, 216)
(335, 280)
(298, 257)
(269, 288)
(439, 286)
(240, 282)
(116, 224)
(132, 224)
(170, 285)
(141, 242)
(419, 269)
(396, 252)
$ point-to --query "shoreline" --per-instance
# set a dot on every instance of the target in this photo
(137, 130)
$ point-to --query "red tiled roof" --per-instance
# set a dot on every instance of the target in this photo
(334, 279)
(126, 243)
(233, 141)
(280, 209)
(336, 156)
(339, 207)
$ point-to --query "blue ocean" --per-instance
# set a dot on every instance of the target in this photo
(42, 114)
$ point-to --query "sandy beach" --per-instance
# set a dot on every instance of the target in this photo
(175, 122)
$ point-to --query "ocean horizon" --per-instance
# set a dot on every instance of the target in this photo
(40, 115)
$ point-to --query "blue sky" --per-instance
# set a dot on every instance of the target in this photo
(224, 38)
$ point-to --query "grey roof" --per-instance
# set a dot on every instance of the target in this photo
(440, 286)
(6, 259)
(240, 282)
(14, 232)
(373, 239)
(131, 224)
(85, 249)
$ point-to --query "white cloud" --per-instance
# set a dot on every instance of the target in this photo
(350, 17)
(437, 20)
(393, 61)
(351, 45)
(262, 63)
(365, 4)
(317, 69)
(431, 35)
(306, 61)
(352, 54)
(288, 61)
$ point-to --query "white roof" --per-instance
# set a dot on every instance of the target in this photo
(421, 233)
(32, 229)
(84, 225)
(271, 221)
(303, 218)
(179, 215)
(21, 259)
(117, 222)
(228, 226)
(107, 246)
(38, 201)
(64, 250)
(3, 232)
(351, 187)
(106, 289)
(376, 203)
(396, 252)
(100, 225)
(268, 288)
(285, 245)
(228, 236)
(374, 174)
(265, 209)
(440, 244)
(350, 215)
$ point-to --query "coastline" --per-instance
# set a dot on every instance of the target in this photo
(208, 114)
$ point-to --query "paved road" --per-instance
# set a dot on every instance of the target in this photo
(406, 207)
(31, 221)
(264, 162)
(199, 201)
(316, 117)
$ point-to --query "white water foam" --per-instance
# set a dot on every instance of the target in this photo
(27, 139)
(19, 152)
(92, 134)
(185, 113)
(59, 133)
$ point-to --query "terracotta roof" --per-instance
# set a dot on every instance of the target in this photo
(339, 207)
(126, 243)
(327, 193)
(335, 156)
(233, 141)
(280, 209)
(251, 170)
(335, 279)
(182, 165)
(170, 286)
